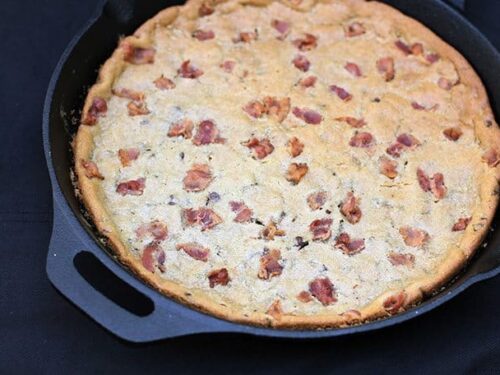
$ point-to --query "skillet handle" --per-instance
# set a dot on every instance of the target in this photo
(167, 319)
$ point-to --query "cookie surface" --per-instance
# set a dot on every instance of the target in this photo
(305, 164)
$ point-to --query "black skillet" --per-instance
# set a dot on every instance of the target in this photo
(73, 239)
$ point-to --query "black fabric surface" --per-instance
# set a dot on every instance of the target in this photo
(42, 332)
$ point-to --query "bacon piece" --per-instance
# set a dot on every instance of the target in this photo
(197, 178)
(420, 107)
(127, 155)
(347, 245)
(461, 224)
(205, 9)
(255, 109)
(260, 148)
(187, 70)
(491, 157)
(395, 149)
(352, 315)
(354, 69)
(194, 250)
(138, 55)
(245, 37)
(317, 200)
(395, 302)
(91, 170)
(153, 255)
(129, 94)
(341, 93)
(432, 58)
(218, 277)
(277, 109)
(362, 139)
(304, 296)
(164, 83)
(203, 35)
(350, 208)
(228, 66)
(413, 237)
(131, 187)
(137, 108)
(308, 115)
(423, 180)
(388, 167)
(204, 217)
(307, 43)
(243, 213)
(98, 108)
(354, 29)
(403, 47)
(269, 264)
(307, 82)
(437, 186)
(295, 147)
(321, 229)
(275, 310)
(322, 289)
(183, 128)
(385, 66)
(281, 27)
(401, 259)
(270, 231)
(296, 171)
(408, 140)
(352, 121)
(301, 63)
(207, 133)
(157, 229)
(445, 84)
(417, 49)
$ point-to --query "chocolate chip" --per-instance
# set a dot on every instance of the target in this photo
(376, 100)
(328, 212)
(258, 222)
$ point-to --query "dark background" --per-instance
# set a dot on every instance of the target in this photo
(42, 332)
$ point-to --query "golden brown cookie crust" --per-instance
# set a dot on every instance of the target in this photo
(488, 137)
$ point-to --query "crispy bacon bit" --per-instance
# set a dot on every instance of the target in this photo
(417, 49)
(408, 140)
(129, 94)
(385, 66)
(138, 55)
(401, 259)
(352, 314)
(164, 83)
(491, 157)
(301, 62)
(461, 224)
(228, 66)
(246, 37)
(97, 108)
(354, 29)
(205, 9)
(275, 310)
(157, 229)
(350, 208)
(207, 133)
(296, 171)
(420, 107)
(260, 148)
(341, 93)
(362, 139)
(348, 246)
(194, 250)
(269, 264)
(320, 229)
(403, 47)
(183, 128)
(352, 121)
(197, 178)
(323, 290)
(153, 255)
(423, 180)
(277, 109)
(307, 115)
(295, 147)
(317, 200)
(282, 27)
(413, 237)
(395, 149)
(395, 303)
(417, 106)
(432, 58)
(204, 217)
(243, 213)
(218, 277)
(91, 169)
(437, 186)
(388, 167)
(203, 35)
(304, 296)
(307, 43)
(127, 155)
(137, 108)
(270, 231)
(445, 84)
(132, 187)
(187, 70)
(307, 82)
(354, 69)
(255, 109)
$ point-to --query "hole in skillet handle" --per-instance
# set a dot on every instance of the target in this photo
(112, 287)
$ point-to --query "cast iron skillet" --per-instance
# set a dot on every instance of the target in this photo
(73, 234)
